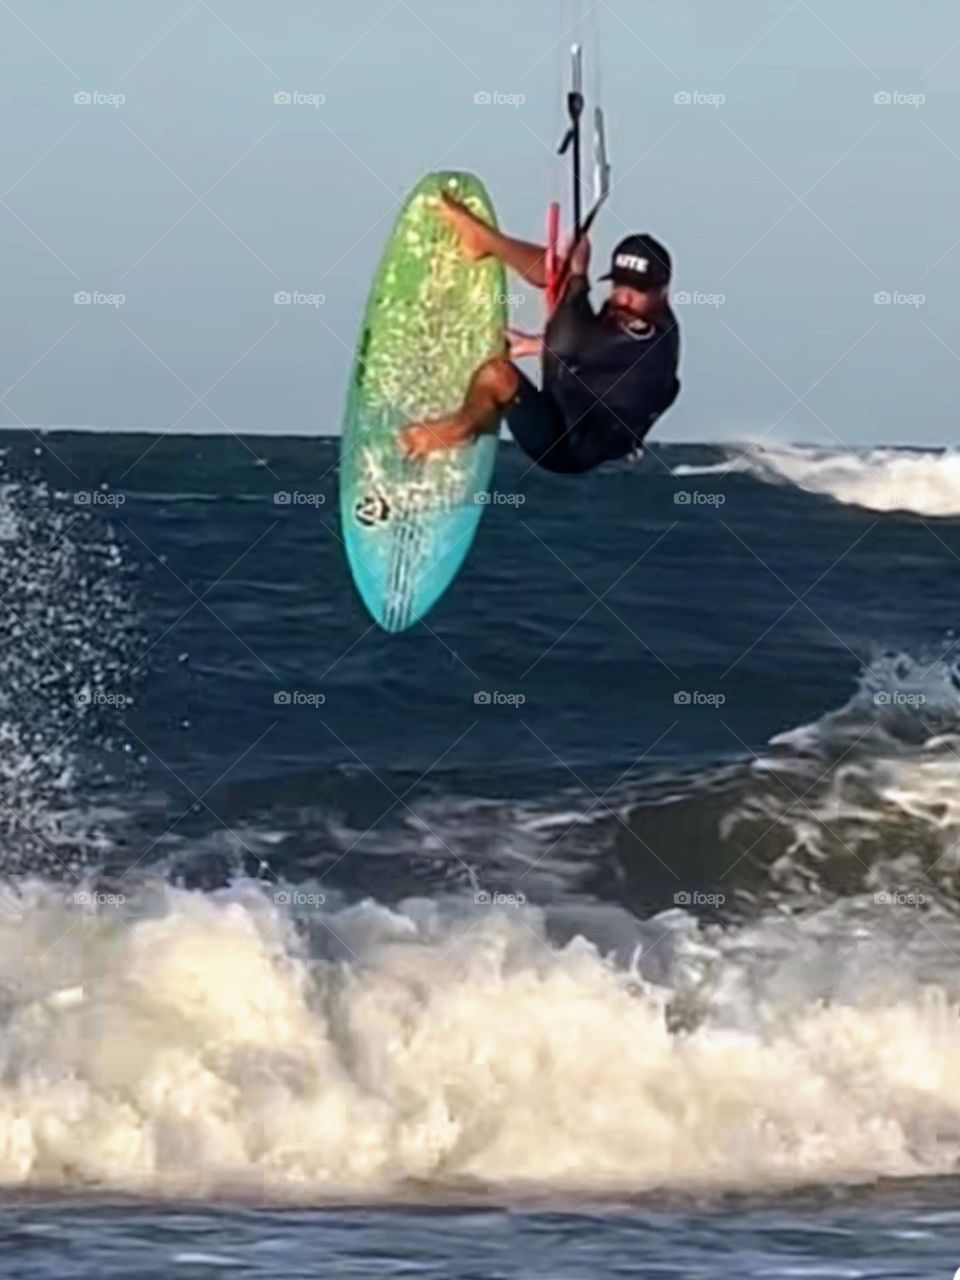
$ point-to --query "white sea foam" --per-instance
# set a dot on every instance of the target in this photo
(868, 793)
(210, 1050)
(926, 483)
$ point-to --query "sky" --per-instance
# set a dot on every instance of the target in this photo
(800, 158)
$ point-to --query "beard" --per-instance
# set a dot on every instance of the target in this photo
(623, 315)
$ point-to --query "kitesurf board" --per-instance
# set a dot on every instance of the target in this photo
(432, 318)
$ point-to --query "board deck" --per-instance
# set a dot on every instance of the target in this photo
(432, 317)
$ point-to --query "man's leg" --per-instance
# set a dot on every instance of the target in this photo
(493, 386)
(540, 427)
(479, 240)
(534, 417)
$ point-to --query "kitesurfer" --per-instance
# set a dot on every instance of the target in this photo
(607, 375)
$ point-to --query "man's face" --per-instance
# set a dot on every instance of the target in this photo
(635, 304)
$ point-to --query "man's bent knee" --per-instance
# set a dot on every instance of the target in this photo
(500, 377)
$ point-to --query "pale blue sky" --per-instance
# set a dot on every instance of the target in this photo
(798, 198)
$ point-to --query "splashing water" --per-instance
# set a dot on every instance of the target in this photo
(67, 644)
(926, 483)
(189, 1043)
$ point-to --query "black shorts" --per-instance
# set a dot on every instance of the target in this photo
(537, 422)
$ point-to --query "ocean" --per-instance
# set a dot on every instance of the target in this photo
(607, 924)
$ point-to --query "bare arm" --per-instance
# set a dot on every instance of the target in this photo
(524, 344)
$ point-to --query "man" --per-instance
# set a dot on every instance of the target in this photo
(607, 375)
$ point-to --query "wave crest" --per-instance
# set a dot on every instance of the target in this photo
(925, 483)
(209, 1049)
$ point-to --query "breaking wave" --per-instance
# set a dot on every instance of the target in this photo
(182, 1042)
(925, 483)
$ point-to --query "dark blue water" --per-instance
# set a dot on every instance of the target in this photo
(605, 924)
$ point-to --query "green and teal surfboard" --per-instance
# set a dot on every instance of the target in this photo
(432, 317)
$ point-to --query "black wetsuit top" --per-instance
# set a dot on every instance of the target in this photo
(605, 383)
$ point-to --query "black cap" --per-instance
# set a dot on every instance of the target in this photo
(641, 263)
